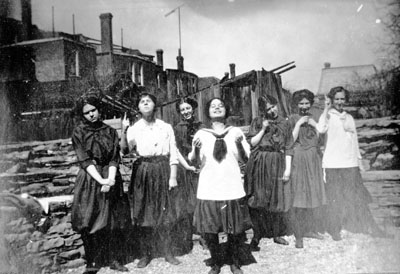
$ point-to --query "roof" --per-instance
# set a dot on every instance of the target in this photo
(349, 77)
(44, 40)
(241, 80)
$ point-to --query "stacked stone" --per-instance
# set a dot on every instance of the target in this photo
(379, 143)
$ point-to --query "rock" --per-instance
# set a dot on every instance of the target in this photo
(384, 161)
(18, 168)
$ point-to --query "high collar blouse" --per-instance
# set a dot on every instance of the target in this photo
(341, 146)
(154, 139)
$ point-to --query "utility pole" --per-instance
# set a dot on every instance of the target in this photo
(179, 24)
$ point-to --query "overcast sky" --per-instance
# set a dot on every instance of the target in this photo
(250, 33)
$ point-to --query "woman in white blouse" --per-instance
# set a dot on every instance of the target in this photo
(221, 214)
(153, 192)
(347, 196)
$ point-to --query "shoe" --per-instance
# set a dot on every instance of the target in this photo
(299, 243)
(209, 262)
(235, 269)
(143, 262)
(313, 235)
(336, 237)
(90, 270)
(254, 246)
(115, 265)
(172, 260)
(280, 241)
(215, 269)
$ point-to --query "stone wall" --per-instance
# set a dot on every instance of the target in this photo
(46, 171)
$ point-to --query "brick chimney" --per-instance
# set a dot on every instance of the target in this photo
(106, 32)
(232, 69)
(160, 60)
(26, 18)
(179, 59)
(327, 65)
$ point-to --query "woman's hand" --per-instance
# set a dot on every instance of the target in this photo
(105, 188)
(312, 122)
(328, 103)
(265, 124)
(172, 183)
(303, 120)
(286, 175)
(111, 182)
(125, 123)
(196, 143)
(191, 168)
(239, 138)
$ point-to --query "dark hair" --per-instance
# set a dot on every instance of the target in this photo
(152, 97)
(208, 104)
(301, 94)
(333, 91)
(263, 100)
(92, 97)
(187, 100)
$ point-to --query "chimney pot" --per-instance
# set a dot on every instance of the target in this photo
(232, 69)
(106, 32)
(327, 65)
(160, 60)
(179, 60)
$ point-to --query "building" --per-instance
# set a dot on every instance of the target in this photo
(44, 72)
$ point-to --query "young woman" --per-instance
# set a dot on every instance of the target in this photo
(97, 213)
(184, 132)
(267, 173)
(155, 200)
(221, 213)
(307, 181)
(347, 196)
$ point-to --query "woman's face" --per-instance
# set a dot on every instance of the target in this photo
(146, 105)
(304, 106)
(271, 111)
(91, 113)
(186, 111)
(217, 109)
(339, 100)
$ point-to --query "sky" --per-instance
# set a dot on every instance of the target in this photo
(252, 34)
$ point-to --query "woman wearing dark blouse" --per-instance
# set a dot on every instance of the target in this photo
(98, 194)
(267, 173)
(184, 132)
(308, 188)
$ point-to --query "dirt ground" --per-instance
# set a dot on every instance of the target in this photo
(356, 253)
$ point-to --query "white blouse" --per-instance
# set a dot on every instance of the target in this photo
(220, 181)
(341, 145)
(153, 139)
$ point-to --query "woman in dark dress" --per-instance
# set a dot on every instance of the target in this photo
(267, 173)
(184, 132)
(308, 188)
(98, 213)
(155, 197)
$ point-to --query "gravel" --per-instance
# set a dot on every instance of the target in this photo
(356, 253)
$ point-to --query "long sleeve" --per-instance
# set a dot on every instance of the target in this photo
(173, 153)
(322, 125)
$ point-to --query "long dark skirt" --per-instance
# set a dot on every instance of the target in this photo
(263, 182)
(191, 180)
(303, 220)
(267, 224)
(230, 217)
(348, 201)
(93, 210)
(160, 214)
